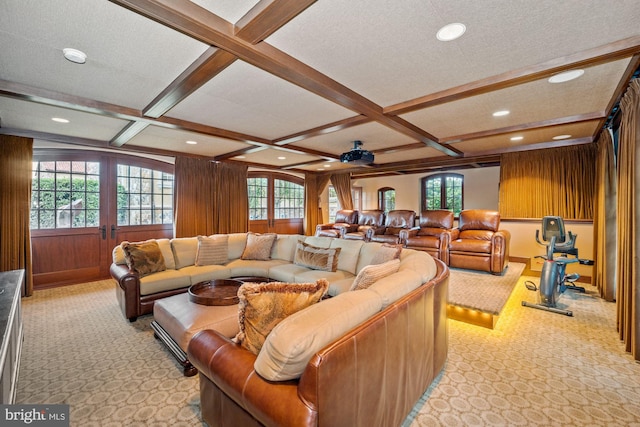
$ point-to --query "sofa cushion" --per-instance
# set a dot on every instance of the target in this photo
(419, 262)
(349, 253)
(144, 258)
(184, 251)
(320, 242)
(285, 247)
(387, 252)
(167, 280)
(253, 268)
(393, 287)
(293, 342)
(367, 253)
(325, 259)
(374, 272)
(203, 273)
(263, 305)
(212, 250)
(259, 246)
(287, 272)
(237, 243)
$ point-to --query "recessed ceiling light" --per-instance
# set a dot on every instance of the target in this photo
(320, 169)
(500, 113)
(192, 142)
(565, 76)
(451, 32)
(59, 120)
(240, 157)
(561, 137)
(327, 166)
(517, 138)
(74, 55)
(281, 157)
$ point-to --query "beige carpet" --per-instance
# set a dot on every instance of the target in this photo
(535, 369)
(486, 292)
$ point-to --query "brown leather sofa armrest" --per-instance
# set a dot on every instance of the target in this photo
(123, 275)
(128, 283)
(455, 233)
(405, 234)
(230, 367)
(321, 227)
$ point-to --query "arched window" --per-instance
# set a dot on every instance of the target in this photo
(386, 199)
(443, 191)
(276, 202)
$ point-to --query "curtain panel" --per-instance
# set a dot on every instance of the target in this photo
(314, 185)
(628, 298)
(559, 181)
(604, 219)
(194, 204)
(16, 155)
(342, 184)
(231, 214)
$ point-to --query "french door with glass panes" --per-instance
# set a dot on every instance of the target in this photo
(83, 204)
(276, 203)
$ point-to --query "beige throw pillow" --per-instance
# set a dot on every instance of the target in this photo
(374, 272)
(212, 250)
(315, 258)
(143, 258)
(387, 252)
(259, 246)
(263, 305)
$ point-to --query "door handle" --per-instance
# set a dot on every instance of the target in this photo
(113, 231)
(103, 231)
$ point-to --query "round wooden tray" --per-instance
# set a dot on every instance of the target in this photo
(215, 292)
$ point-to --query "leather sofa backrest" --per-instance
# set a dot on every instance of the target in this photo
(373, 217)
(346, 216)
(479, 219)
(400, 219)
(438, 218)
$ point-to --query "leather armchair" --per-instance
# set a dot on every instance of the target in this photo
(346, 221)
(480, 244)
(433, 234)
(396, 221)
(367, 220)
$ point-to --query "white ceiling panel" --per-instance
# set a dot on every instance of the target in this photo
(245, 99)
(276, 157)
(387, 51)
(407, 155)
(27, 115)
(527, 103)
(130, 59)
(175, 140)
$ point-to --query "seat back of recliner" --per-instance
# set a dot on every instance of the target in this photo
(437, 218)
(479, 219)
(347, 216)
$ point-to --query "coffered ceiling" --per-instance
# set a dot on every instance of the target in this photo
(290, 84)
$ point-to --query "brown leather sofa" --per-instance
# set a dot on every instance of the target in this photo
(480, 245)
(433, 234)
(346, 222)
(371, 219)
(372, 376)
(396, 221)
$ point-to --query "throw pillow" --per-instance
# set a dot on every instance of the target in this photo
(143, 258)
(259, 246)
(315, 258)
(212, 250)
(374, 272)
(387, 252)
(263, 305)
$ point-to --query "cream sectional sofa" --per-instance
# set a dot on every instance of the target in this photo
(136, 295)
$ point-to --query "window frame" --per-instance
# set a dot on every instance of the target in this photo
(443, 191)
(383, 193)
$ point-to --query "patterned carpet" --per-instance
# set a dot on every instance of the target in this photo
(486, 292)
(535, 368)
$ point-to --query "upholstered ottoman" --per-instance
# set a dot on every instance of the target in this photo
(177, 320)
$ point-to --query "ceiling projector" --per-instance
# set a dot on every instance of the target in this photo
(357, 155)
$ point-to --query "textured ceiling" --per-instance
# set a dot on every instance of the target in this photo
(255, 81)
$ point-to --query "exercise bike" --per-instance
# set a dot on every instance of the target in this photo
(553, 278)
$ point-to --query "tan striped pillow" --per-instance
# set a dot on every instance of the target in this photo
(374, 272)
(315, 258)
(212, 250)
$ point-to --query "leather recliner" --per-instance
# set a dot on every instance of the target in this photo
(480, 244)
(397, 220)
(367, 220)
(433, 234)
(346, 221)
